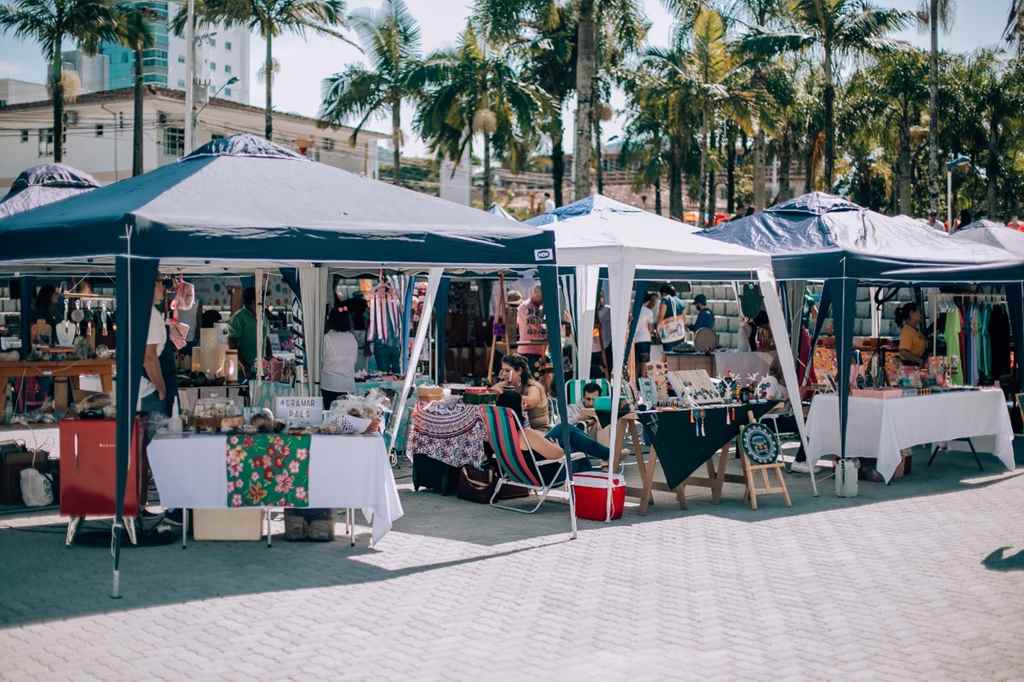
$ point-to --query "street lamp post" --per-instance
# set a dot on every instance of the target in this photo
(195, 116)
(959, 162)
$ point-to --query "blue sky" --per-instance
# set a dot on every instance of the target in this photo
(304, 63)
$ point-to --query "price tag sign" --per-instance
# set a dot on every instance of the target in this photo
(297, 411)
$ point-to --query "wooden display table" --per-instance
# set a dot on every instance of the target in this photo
(55, 368)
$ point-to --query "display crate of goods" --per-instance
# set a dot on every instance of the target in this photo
(479, 396)
(227, 524)
(429, 392)
(591, 493)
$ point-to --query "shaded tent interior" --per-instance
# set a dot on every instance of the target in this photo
(245, 203)
(819, 236)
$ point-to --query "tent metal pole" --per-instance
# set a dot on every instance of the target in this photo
(553, 314)
(620, 284)
(433, 282)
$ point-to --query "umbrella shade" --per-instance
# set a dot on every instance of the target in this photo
(246, 198)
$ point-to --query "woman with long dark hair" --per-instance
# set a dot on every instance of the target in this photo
(516, 376)
(341, 349)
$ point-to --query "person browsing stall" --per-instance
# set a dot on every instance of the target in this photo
(644, 330)
(242, 331)
(341, 351)
(913, 343)
(152, 388)
(705, 318)
(669, 307)
(533, 332)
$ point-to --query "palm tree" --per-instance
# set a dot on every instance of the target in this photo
(550, 64)
(721, 83)
(1014, 31)
(50, 23)
(931, 14)
(644, 145)
(390, 38)
(134, 32)
(839, 28)
(271, 18)
(472, 90)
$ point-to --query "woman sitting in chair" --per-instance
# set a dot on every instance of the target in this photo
(515, 373)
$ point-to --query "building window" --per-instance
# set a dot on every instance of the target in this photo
(45, 141)
(227, 45)
(24, 136)
(99, 130)
(213, 66)
(227, 92)
(181, 59)
(126, 57)
(227, 68)
(181, 82)
(213, 42)
(327, 144)
(3, 103)
(216, 136)
(174, 141)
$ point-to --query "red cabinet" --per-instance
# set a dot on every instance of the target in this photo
(88, 457)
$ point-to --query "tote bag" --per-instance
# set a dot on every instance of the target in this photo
(672, 329)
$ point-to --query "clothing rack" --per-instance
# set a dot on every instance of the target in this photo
(996, 299)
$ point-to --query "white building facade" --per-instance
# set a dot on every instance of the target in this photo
(99, 134)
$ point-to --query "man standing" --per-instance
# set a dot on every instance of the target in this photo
(533, 332)
(935, 223)
(705, 318)
(242, 332)
(152, 389)
(549, 203)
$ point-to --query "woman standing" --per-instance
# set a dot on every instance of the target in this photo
(670, 307)
(341, 349)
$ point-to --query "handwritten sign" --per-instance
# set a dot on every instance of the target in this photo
(294, 410)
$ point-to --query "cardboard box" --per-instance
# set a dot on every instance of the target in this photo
(227, 524)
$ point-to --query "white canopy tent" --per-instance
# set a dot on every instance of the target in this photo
(599, 231)
(993, 234)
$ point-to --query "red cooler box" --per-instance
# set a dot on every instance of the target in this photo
(88, 455)
(591, 491)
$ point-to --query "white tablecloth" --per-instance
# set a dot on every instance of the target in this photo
(344, 472)
(881, 428)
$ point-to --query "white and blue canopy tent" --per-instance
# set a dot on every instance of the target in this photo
(246, 204)
(633, 245)
(826, 238)
(993, 234)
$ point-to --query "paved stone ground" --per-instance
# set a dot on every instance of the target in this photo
(920, 580)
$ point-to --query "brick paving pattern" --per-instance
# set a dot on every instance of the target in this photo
(903, 582)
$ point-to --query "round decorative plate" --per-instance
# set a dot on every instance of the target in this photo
(760, 444)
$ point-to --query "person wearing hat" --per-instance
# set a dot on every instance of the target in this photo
(705, 318)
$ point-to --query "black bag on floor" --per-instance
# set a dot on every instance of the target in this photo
(477, 485)
(434, 474)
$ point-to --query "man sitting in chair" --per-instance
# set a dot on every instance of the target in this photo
(583, 415)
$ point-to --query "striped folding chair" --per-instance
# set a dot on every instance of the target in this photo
(517, 463)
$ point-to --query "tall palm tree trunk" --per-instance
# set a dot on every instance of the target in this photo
(396, 140)
(557, 160)
(904, 180)
(675, 179)
(730, 168)
(487, 172)
(705, 145)
(785, 161)
(933, 109)
(598, 155)
(137, 117)
(585, 65)
(830, 124)
(58, 103)
(657, 196)
(759, 170)
(268, 78)
(992, 167)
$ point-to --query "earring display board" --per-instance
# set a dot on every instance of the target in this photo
(695, 385)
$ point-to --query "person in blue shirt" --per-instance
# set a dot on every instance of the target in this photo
(705, 318)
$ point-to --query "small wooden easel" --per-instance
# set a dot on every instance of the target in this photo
(750, 470)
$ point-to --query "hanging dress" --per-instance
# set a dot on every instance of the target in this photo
(952, 334)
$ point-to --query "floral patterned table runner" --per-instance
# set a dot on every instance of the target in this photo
(268, 470)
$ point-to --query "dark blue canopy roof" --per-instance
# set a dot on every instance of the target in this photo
(820, 236)
(244, 198)
(45, 184)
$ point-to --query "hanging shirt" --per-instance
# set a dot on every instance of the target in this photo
(385, 315)
(952, 334)
(533, 333)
